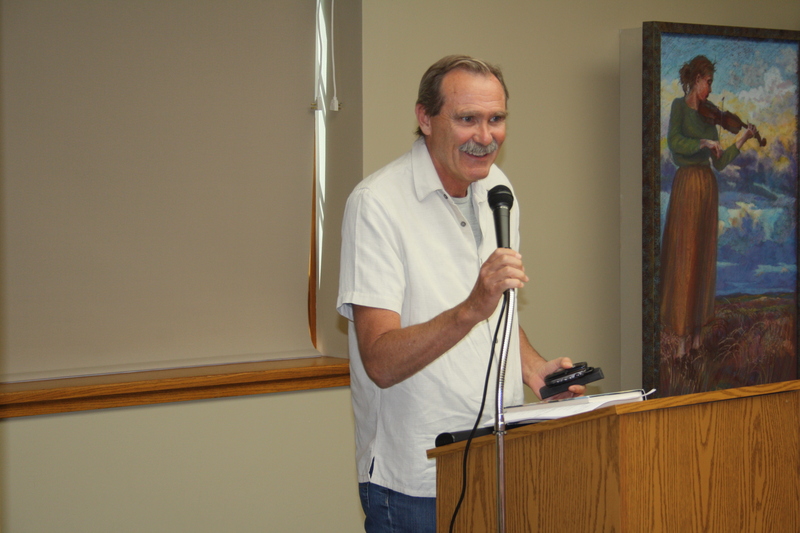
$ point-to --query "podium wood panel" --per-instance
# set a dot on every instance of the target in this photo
(723, 461)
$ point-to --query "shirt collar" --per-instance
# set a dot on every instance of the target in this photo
(426, 180)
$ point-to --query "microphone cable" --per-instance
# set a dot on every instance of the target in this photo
(500, 320)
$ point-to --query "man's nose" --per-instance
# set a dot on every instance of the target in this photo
(483, 135)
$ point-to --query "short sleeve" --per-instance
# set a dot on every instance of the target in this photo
(372, 271)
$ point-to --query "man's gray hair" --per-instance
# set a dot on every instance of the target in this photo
(430, 95)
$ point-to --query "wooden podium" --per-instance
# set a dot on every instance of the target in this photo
(724, 461)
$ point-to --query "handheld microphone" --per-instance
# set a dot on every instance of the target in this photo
(501, 200)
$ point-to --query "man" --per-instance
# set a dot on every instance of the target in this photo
(421, 281)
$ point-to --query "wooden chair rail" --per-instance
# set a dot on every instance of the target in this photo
(174, 385)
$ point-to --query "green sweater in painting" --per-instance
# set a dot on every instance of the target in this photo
(686, 128)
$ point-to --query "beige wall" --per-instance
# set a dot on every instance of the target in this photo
(236, 464)
(561, 63)
(281, 462)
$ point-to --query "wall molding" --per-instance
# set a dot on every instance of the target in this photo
(174, 385)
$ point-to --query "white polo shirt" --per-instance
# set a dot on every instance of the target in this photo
(406, 247)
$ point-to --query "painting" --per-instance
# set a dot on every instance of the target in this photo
(720, 192)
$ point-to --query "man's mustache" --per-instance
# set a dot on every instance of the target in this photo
(473, 148)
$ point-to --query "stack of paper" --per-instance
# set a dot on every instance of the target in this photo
(552, 409)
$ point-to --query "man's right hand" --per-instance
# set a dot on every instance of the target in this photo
(502, 271)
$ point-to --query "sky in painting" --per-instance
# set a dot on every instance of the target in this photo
(757, 80)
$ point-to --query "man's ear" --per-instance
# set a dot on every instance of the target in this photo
(423, 119)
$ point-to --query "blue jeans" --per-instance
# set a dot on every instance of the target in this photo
(389, 511)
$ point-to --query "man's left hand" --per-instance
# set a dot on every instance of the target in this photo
(536, 379)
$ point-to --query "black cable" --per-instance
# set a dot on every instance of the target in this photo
(503, 314)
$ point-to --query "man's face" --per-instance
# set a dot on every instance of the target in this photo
(464, 138)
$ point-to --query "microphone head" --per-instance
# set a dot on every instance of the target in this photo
(500, 196)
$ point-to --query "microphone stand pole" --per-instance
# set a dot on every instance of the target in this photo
(500, 422)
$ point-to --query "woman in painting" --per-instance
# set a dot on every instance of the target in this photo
(689, 242)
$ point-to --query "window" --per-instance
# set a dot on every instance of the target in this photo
(156, 177)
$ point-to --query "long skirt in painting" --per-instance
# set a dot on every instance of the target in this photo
(689, 251)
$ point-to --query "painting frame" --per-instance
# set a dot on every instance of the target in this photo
(655, 361)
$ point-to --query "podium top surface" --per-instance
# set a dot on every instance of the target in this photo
(633, 407)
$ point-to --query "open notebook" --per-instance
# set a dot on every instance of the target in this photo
(547, 410)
